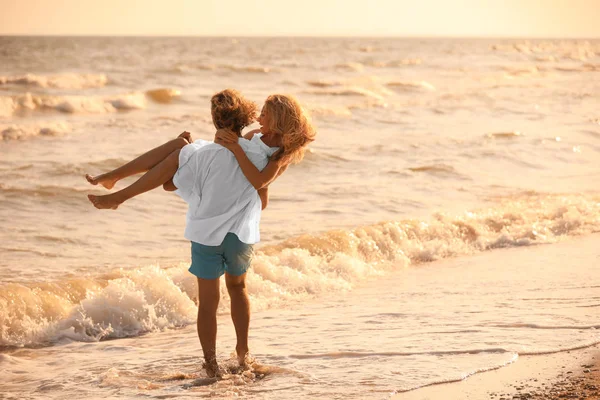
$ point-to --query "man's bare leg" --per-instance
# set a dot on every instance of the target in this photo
(160, 174)
(240, 313)
(208, 301)
(143, 163)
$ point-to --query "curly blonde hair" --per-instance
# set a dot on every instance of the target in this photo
(293, 123)
(230, 110)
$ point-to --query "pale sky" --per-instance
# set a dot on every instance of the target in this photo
(480, 18)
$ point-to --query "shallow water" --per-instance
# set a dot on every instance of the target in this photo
(437, 322)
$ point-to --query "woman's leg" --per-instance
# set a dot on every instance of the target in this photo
(160, 174)
(143, 163)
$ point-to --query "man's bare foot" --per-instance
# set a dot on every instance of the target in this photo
(243, 356)
(105, 202)
(101, 179)
(212, 369)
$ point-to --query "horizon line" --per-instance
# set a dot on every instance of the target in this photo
(408, 36)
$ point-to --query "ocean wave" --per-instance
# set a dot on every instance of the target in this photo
(395, 63)
(131, 302)
(322, 83)
(577, 50)
(347, 92)
(552, 327)
(64, 81)
(20, 193)
(515, 72)
(350, 66)
(28, 102)
(545, 58)
(363, 354)
(319, 157)
(71, 104)
(92, 309)
(7, 106)
(192, 67)
(20, 132)
(436, 169)
(330, 111)
(411, 86)
(253, 69)
(164, 95)
(504, 135)
(585, 67)
(560, 350)
(591, 67)
(513, 358)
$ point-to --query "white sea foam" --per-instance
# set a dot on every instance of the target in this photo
(395, 63)
(329, 111)
(131, 302)
(411, 86)
(350, 66)
(348, 91)
(24, 131)
(7, 107)
(71, 104)
(29, 102)
(164, 95)
(63, 81)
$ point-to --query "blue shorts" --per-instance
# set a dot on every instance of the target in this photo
(231, 256)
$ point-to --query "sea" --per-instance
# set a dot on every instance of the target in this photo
(444, 222)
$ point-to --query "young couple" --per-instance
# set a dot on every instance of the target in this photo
(225, 184)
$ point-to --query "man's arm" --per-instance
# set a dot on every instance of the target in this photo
(264, 196)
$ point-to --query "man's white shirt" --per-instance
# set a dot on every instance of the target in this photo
(219, 196)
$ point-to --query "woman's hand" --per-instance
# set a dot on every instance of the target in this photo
(229, 146)
(226, 135)
(187, 136)
(227, 139)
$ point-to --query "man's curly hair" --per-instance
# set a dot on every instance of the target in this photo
(230, 110)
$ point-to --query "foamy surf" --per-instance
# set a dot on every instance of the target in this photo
(411, 86)
(61, 81)
(26, 131)
(76, 104)
(132, 302)
(165, 95)
(349, 91)
(30, 102)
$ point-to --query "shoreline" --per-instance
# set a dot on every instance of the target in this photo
(573, 374)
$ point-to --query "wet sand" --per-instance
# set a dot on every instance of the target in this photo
(569, 375)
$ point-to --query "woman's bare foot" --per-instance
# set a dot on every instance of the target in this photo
(101, 179)
(109, 201)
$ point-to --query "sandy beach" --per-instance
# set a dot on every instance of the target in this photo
(570, 375)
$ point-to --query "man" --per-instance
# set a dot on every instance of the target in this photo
(222, 224)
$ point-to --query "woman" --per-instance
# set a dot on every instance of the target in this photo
(284, 124)
(285, 121)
